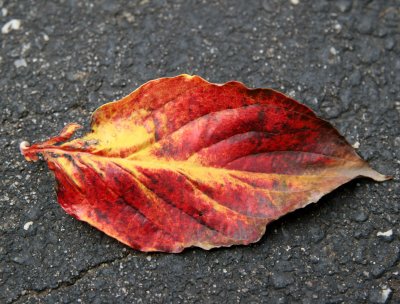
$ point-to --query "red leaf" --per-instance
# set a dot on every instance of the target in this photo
(182, 162)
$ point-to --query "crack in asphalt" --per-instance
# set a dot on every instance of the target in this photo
(26, 294)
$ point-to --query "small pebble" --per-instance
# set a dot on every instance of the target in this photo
(386, 292)
(129, 17)
(377, 271)
(337, 27)
(20, 63)
(333, 51)
(360, 216)
(397, 141)
(27, 225)
(13, 24)
(294, 2)
(380, 296)
(387, 235)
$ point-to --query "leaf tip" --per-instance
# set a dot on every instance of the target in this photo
(23, 146)
(381, 177)
(375, 175)
(24, 149)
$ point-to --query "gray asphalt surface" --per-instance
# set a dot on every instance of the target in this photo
(66, 58)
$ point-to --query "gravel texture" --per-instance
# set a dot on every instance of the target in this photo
(60, 60)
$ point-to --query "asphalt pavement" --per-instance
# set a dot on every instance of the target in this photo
(60, 60)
